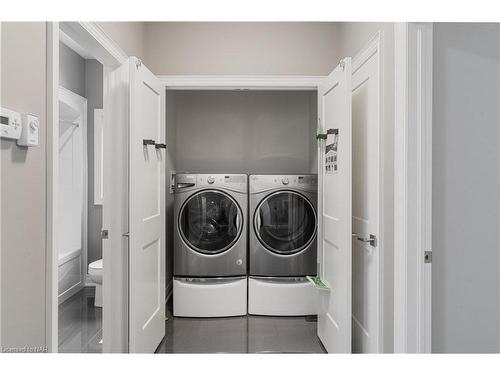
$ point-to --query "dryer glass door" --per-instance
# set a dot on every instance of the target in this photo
(210, 222)
(285, 222)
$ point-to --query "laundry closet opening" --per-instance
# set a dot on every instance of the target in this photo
(241, 221)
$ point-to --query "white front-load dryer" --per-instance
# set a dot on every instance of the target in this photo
(210, 245)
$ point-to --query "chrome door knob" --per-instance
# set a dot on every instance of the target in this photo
(285, 181)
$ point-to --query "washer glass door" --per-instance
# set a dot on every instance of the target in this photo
(210, 222)
(285, 222)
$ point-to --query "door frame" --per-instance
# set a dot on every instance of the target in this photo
(412, 187)
(90, 36)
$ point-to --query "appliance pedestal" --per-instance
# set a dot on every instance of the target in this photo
(281, 296)
(210, 297)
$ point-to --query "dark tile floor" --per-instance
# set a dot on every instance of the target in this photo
(80, 324)
(248, 334)
(80, 331)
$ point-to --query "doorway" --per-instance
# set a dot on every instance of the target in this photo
(81, 317)
(79, 214)
(366, 332)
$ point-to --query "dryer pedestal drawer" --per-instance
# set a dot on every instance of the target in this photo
(281, 296)
(210, 297)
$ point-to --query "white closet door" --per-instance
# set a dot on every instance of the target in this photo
(147, 211)
(335, 208)
(366, 257)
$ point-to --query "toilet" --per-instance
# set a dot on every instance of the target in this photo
(95, 273)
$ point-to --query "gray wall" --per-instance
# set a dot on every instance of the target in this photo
(23, 192)
(171, 165)
(466, 175)
(94, 95)
(71, 70)
(244, 131)
(307, 48)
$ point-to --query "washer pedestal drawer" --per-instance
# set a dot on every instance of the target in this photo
(281, 296)
(210, 297)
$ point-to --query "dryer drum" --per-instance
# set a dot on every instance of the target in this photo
(285, 222)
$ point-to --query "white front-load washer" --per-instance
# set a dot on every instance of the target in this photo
(210, 245)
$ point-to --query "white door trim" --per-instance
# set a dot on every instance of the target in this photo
(95, 41)
(412, 187)
(51, 287)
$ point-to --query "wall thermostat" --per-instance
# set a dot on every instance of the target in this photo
(29, 133)
(11, 125)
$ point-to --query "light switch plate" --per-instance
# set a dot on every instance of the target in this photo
(30, 130)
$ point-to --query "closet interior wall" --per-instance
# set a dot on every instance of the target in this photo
(238, 131)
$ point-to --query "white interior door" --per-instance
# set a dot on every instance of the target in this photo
(366, 257)
(147, 211)
(115, 210)
(335, 208)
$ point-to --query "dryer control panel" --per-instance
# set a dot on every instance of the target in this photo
(306, 182)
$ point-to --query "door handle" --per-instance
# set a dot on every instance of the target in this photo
(258, 222)
(146, 142)
(372, 239)
(238, 222)
(160, 145)
(183, 185)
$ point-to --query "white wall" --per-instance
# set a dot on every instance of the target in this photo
(466, 177)
(353, 36)
(128, 35)
(307, 48)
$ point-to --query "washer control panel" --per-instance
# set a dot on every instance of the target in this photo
(184, 181)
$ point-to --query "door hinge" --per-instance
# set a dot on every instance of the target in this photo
(342, 64)
(372, 239)
(104, 234)
(427, 256)
(138, 63)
